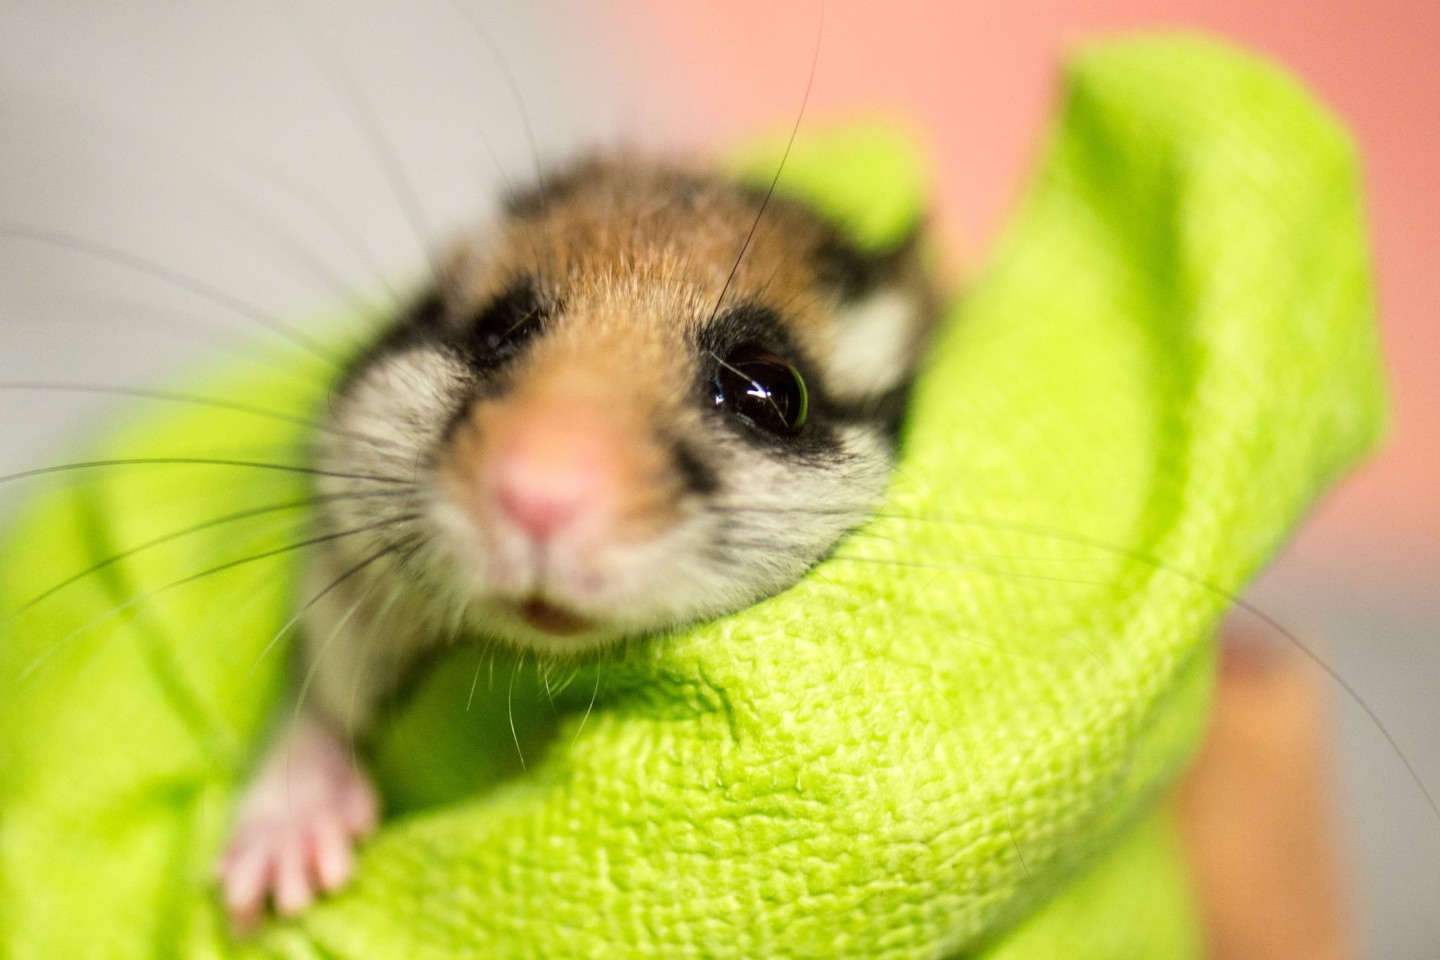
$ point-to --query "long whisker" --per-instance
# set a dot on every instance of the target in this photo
(594, 693)
(542, 670)
(122, 316)
(1137, 556)
(308, 605)
(362, 111)
(775, 180)
(282, 242)
(339, 226)
(85, 246)
(510, 712)
(173, 396)
(760, 545)
(364, 652)
(198, 461)
(498, 56)
(116, 610)
(965, 568)
(475, 680)
(285, 246)
(863, 510)
(567, 678)
(334, 634)
(943, 568)
(183, 532)
(1215, 590)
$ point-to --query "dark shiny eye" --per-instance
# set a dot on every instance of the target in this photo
(762, 389)
(506, 324)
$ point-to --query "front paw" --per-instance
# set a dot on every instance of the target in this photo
(296, 827)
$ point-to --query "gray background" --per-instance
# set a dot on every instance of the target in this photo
(199, 135)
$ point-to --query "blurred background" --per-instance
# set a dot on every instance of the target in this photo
(284, 151)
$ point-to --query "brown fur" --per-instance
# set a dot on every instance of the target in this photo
(642, 264)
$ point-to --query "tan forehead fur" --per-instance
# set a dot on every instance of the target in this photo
(637, 255)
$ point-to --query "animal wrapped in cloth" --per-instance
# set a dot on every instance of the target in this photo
(950, 739)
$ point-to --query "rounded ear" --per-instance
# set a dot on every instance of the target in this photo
(888, 308)
(871, 182)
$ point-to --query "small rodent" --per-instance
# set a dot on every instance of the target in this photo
(648, 395)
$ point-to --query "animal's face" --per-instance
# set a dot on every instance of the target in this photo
(614, 422)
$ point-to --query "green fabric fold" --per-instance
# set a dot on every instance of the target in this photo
(949, 740)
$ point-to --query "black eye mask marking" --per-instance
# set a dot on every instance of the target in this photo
(420, 323)
(503, 326)
(428, 314)
(696, 472)
(846, 269)
(884, 413)
(496, 333)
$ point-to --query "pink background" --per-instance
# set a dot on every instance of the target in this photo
(979, 80)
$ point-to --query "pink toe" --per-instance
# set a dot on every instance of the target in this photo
(295, 827)
(293, 891)
(334, 863)
(359, 808)
(245, 876)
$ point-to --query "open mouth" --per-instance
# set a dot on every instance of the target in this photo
(548, 618)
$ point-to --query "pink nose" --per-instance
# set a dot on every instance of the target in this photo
(553, 469)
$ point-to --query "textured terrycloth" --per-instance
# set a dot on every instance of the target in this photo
(947, 741)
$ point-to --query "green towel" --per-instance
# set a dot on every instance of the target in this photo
(949, 740)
